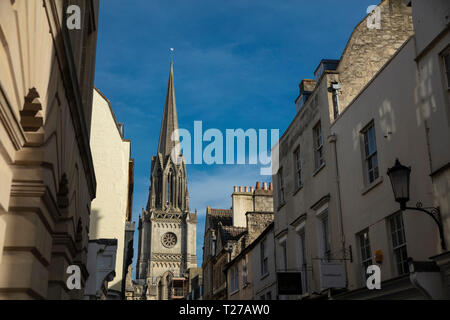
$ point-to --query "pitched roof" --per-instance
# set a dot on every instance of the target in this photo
(220, 211)
(250, 246)
(224, 220)
(231, 233)
(214, 216)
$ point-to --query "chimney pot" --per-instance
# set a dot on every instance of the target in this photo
(265, 185)
(258, 186)
(270, 186)
(251, 189)
(246, 189)
(235, 188)
(240, 188)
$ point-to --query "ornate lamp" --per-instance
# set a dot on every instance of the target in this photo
(399, 176)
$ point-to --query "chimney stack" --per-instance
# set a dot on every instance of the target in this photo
(242, 203)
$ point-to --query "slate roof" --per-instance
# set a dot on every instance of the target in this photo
(232, 233)
(214, 216)
(220, 211)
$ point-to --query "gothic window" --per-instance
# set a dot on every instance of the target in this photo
(168, 189)
(158, 190)
(169, 198)
(172, 188)
(180, 193)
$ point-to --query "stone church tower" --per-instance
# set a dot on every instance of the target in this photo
(167, 230)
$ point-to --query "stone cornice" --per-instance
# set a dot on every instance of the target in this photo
(64, 55)
(31, 190)
(10, 122)
(167, 257)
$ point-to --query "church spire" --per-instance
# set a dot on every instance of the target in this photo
(169, 122)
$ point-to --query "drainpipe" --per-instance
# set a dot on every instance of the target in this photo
(332, 139)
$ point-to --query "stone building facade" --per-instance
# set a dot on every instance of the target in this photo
(167, 229)
(46, 168)
(368, 49)
(101, 265)
(196, 285)
(228, 232)
(334, 202)
(251, 274)
(250, 271)
(432, 49)
(215, 219)
(111, 209)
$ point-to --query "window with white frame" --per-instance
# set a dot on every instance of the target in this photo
(370, 153)
(298, 168)
(234, 285)
(365, 253)
(324, 235)
(318, 146)
(302, 264)
(264, 258)
(399, 243)
(446, 61)
(281, 186)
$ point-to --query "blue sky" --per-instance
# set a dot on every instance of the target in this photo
(237, 64)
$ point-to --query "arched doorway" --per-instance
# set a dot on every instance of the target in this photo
(164, 286)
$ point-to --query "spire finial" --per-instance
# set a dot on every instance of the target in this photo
(171, 55)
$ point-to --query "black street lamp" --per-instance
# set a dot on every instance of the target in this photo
(399, 176)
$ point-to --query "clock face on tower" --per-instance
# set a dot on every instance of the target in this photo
(169, 239)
